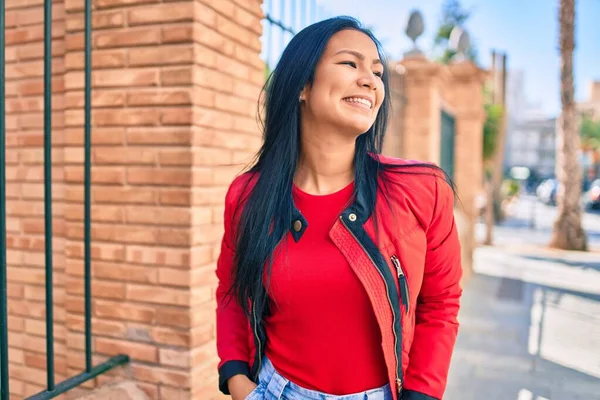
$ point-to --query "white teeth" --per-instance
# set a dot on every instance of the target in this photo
(359, 100)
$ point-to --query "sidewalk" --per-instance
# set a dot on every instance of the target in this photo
(530, 323)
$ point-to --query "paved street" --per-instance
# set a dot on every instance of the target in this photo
(530, 317)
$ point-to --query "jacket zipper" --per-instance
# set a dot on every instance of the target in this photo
(259, 343)
(398, 380)
(402, 282)
(256, 329)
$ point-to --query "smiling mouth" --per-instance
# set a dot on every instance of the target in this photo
(359, 102)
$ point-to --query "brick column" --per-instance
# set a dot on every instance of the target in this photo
(423, 85)
(464, 91)
(175, 86)
(228, 76)
(25, 194)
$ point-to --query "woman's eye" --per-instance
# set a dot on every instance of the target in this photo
(379, 74)
(350, 63)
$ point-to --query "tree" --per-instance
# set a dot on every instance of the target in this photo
(568, 233)
(589, 131)
(452, 15)
(491, 132)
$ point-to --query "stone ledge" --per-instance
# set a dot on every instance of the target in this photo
(118, 391)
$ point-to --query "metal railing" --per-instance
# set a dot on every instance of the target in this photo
(52, 389)
(283, 19)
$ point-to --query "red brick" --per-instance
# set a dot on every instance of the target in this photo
(120, 3)
(124, 195)
(101, 59)
(150, 255)
(155, 97)
(155, 176)
(173, 216)
(177, 34)
(176, 76)
(171, 337)
(170, 12)
(174, 317)
(175, 197)
(205, 15)
(174, 358)
(101, 289)
(161, 375)
(100, 20)
(215, 40)
(174, 394)
(174, 277)
(125, 78)
(127, 312)
(126, 273)
(137, 351)
(248, 20)
(100, 98)
(127, 37)
(176, 116)
(175, 157)
(159, 295)
(24, 35)
(161, 55)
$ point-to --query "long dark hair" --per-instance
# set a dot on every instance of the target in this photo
(265, 219)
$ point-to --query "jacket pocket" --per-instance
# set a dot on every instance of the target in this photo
(402, 283)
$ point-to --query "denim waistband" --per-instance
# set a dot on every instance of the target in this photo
(277, 387)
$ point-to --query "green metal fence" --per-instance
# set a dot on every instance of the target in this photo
(447, 143)
(283, 19)
(52, 389)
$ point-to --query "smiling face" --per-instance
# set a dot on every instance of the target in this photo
(347, 90)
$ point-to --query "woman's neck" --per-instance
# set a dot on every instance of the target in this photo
(325, 166)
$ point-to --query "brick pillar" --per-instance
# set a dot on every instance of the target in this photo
(423, 85)
(464, 91)
(25, 194)
(175, 86)
(228, 76)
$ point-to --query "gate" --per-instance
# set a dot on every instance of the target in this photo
(52, 389)
(448, 133)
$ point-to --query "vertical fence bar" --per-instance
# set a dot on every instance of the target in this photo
(48, 190)
(87, 183)
(4, 390)
(294, 17)
(303, 22)
(282, 22)
(269, 39)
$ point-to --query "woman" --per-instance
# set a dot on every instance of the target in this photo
(339, 268)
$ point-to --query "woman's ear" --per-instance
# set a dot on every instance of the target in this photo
(302, 95)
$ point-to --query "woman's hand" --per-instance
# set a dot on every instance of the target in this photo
(240, 387)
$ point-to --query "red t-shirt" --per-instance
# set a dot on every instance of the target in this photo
(322, 334)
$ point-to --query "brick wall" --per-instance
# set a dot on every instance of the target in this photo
(25, 194)
(174, 95)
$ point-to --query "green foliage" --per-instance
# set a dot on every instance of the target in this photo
(491, 129)
(590, 133)
(510, 188)
(267, 71)
(452, 15)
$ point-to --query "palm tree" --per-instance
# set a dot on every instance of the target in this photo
(568, 233)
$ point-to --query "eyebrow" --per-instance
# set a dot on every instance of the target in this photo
(358, 55)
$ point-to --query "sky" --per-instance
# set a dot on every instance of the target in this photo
(526, 30)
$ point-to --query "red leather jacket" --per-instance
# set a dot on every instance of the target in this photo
(411, 271)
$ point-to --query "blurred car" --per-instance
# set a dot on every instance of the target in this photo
(546, 191)
(591, 198)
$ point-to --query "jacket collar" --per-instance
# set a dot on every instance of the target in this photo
(360, 206)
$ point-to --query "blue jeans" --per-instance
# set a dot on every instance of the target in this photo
(273, 386)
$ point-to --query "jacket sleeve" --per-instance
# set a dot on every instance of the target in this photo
(436, 324)
(232, 323)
